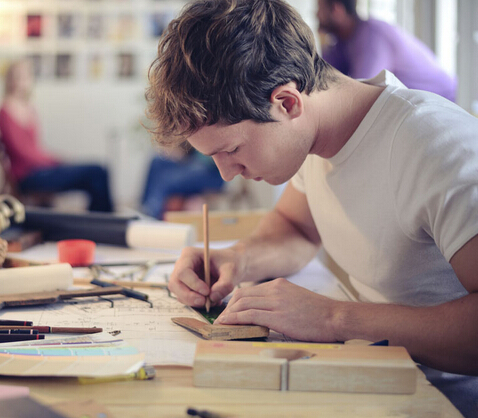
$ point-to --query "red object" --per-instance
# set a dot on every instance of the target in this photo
(77, 252)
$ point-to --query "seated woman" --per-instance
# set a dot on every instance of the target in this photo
(185, 175)
(33, 169)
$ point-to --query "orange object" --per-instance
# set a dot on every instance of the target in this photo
(77, 252)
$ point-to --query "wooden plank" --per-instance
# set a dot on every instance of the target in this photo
(222, 332)
(223, 225)
(310, 367)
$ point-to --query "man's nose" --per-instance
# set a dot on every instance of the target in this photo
(227, 169)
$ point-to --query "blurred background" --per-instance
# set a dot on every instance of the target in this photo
(91, 59)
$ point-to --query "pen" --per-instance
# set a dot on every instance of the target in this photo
(17, 337)
(45, 329)
(15, 322)
(202, 414)
(18, 331)
(207, 273)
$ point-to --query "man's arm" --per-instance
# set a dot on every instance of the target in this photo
(285, 241)
(443, 336)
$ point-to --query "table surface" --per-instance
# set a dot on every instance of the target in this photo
(172, 392)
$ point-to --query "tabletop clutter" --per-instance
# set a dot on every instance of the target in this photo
(87, 351)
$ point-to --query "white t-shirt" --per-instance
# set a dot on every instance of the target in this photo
(400, 198)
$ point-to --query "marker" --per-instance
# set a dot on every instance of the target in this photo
(19, 331)
(14, 322)
(14, 338)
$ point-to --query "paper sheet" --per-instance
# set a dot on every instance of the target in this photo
(88, 356)
(150, 329)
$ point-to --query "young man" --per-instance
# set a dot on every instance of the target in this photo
(362, 48)
(384, 177)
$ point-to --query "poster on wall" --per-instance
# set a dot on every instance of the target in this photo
(126, 65)
(68, 25)
(34, 25)
(64, 66)
(96, 26)
(159, 21)
(42, 66)
(95, 66)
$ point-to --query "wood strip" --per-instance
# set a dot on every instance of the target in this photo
(222, 332)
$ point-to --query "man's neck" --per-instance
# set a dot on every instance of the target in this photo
(340, 111)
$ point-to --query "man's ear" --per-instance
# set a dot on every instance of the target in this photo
(287, 100)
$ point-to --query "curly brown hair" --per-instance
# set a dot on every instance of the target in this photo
(220, 60)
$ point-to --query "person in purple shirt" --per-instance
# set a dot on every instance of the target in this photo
(363, 48)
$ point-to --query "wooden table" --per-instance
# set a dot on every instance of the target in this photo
(172, 392)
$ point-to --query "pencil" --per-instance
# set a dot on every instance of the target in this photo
(207, 272)
(44, 329)
(19, 337)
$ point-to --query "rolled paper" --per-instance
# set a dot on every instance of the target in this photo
(36, 279)
(104, 228)
(160, 235)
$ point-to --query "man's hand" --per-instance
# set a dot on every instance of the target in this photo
(283, 307)
(187, 279)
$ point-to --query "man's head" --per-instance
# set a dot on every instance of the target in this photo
(334, 14)
(220, 61)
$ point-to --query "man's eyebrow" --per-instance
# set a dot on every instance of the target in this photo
(210, 154)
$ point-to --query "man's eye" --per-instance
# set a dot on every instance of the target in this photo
(233, 151)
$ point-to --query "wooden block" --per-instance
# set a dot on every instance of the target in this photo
(353, 368)
(222, 332)
(307, 367)
(219, 364)
(223, 225)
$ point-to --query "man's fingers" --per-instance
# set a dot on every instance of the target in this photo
(185, 295)
(249, 317)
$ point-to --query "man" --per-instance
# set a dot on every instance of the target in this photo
(363, 48)
(384, 177)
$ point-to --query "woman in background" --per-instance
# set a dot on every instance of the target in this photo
(32, 169)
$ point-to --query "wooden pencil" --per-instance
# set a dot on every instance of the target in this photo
(207, 272)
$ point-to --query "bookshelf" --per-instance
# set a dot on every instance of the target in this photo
(84, 40)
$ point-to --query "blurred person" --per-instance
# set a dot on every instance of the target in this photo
(362, 48)
(184, 173)
(33, 169)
